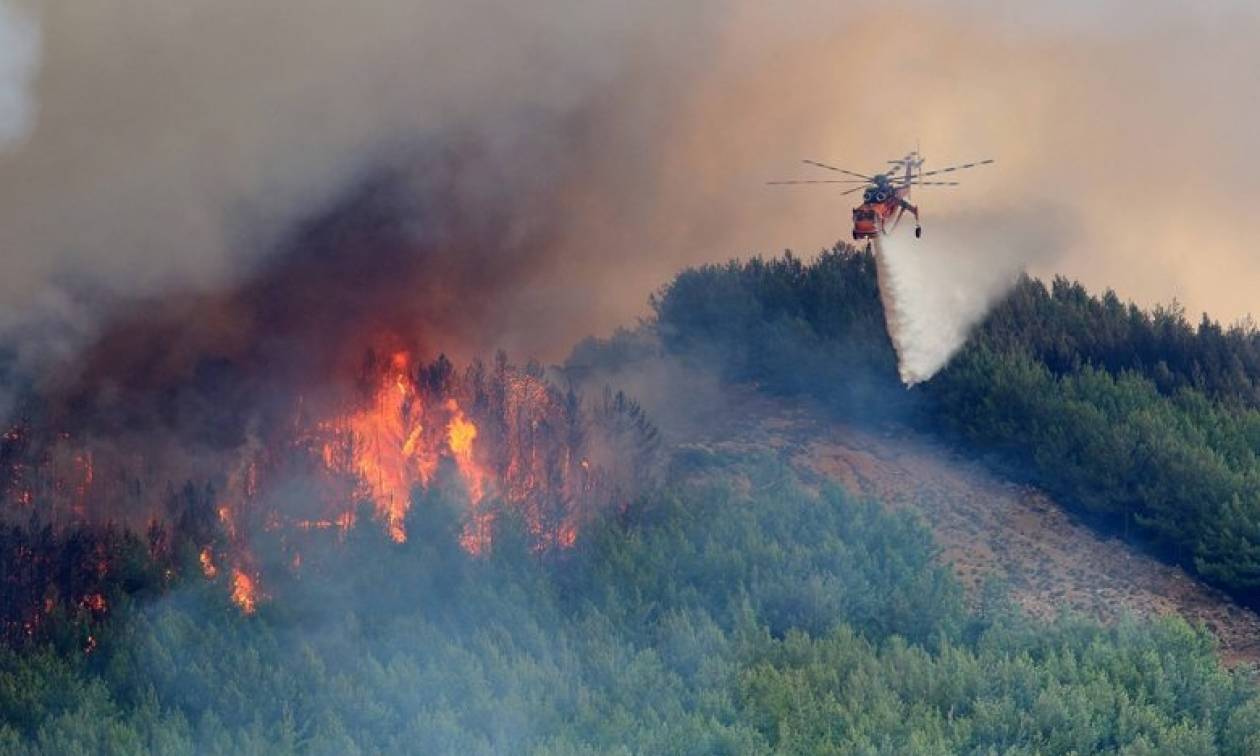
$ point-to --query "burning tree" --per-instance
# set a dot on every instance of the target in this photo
(502, 438)
(242, 425)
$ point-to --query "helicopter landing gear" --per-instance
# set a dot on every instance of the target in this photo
(918, 232)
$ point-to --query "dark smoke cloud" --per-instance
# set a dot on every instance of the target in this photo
(179, 146)
(402, 260)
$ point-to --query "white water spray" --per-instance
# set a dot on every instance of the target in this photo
(936, 289)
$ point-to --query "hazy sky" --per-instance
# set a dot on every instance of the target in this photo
(171, 143)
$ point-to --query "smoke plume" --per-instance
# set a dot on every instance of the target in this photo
(162, 162)
(585, 154)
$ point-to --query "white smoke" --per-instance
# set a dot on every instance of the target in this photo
(20, 46)
(937, 288)
(19, 61)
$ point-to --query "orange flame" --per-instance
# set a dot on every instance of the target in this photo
(207, 563)
(388, 456)
(244, 592)
(515, 442)
(460, 435)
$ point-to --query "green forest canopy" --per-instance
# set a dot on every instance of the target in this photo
(1137, 419)
(706, 621)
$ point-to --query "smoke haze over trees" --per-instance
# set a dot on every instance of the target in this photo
(706, 619)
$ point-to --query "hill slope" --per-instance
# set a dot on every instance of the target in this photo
(1136, 420)
(987, 526)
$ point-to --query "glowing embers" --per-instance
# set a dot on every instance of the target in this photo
(208, 567)
(242, 588)
(95, 603)
(56, 475)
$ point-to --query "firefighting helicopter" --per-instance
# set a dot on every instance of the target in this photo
(884, 195)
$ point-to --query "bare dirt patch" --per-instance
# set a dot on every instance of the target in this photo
(985, 525)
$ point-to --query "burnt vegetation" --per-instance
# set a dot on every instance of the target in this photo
(550, 461)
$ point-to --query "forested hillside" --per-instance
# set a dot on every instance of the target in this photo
(706, 620)
(1139, 419)
(727, 609)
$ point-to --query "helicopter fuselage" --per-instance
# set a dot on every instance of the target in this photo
(881, 202)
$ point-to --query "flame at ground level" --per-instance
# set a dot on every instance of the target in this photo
(244, 592)
(499, 438)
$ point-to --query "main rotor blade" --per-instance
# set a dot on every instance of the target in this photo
(955, 168)
(824, 181)
(851, 191)
(932, 183)
(838, 170)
